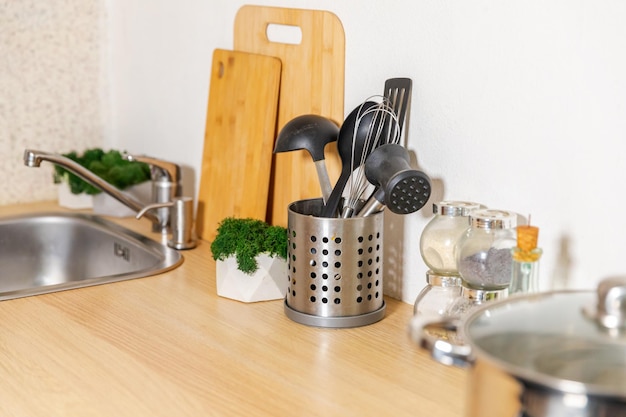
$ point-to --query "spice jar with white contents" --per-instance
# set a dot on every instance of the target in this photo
(484, 255)
(438, 295)
(440, 236)
(438, 250)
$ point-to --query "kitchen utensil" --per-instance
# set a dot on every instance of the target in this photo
(350, 145)
(312, 82)
(312, 133)
(383, 123)
(239, 138)
(560, 353)
(398, 94)
(403, 189)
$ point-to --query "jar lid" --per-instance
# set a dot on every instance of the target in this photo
(493, 219)
(440, 280)
(481, 296)
(455, 208)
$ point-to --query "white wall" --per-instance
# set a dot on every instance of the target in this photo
(516, 105)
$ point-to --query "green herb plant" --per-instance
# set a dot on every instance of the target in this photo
(247, 238)
(110, 166)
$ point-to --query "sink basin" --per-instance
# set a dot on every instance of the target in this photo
(48, 252)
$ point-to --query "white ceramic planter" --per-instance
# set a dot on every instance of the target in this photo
(269, 282)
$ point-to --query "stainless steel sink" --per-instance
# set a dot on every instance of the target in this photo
(48, 252)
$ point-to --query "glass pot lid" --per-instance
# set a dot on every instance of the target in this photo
(573, 341)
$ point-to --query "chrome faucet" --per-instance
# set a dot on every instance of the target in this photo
(166, 194)
(166, 185)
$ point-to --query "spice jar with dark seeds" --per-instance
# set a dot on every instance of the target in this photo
(484, 255)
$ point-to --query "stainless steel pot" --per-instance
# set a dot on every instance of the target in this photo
(558, 354)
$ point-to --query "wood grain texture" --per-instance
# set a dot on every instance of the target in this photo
(239, 138)
(168, 346)
(312, 82)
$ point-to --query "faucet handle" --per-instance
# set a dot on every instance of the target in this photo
(166, 185)
(162, 170)
(181, 221)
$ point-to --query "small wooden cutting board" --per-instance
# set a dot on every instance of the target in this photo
(239, 138)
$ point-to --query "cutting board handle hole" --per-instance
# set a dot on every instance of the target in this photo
(220, 69)
(284, 34)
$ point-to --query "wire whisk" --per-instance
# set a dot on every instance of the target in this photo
(383, 128)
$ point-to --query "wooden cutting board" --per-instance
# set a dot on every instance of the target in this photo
(312, 82)
(239, 138)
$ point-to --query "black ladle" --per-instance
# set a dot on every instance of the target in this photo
(403, 189)
(312, 133)
(350, 145)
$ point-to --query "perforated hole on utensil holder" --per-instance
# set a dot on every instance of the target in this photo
(335, 265)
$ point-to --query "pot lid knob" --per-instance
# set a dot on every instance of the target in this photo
(611, 308)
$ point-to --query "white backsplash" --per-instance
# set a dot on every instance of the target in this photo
(51, 84)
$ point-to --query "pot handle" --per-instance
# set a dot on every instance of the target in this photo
(443, 339)
(610, 311)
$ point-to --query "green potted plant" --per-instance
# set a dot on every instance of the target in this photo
(130, 176)
(251, 260)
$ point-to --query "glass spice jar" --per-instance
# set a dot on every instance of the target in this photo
(441, 234)
(437, 296)
(484, 251)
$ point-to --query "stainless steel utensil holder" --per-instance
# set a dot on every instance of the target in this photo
(335, 268)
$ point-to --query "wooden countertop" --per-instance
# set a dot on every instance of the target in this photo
(167, 345)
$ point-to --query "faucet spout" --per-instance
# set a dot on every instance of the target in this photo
(33, 158)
